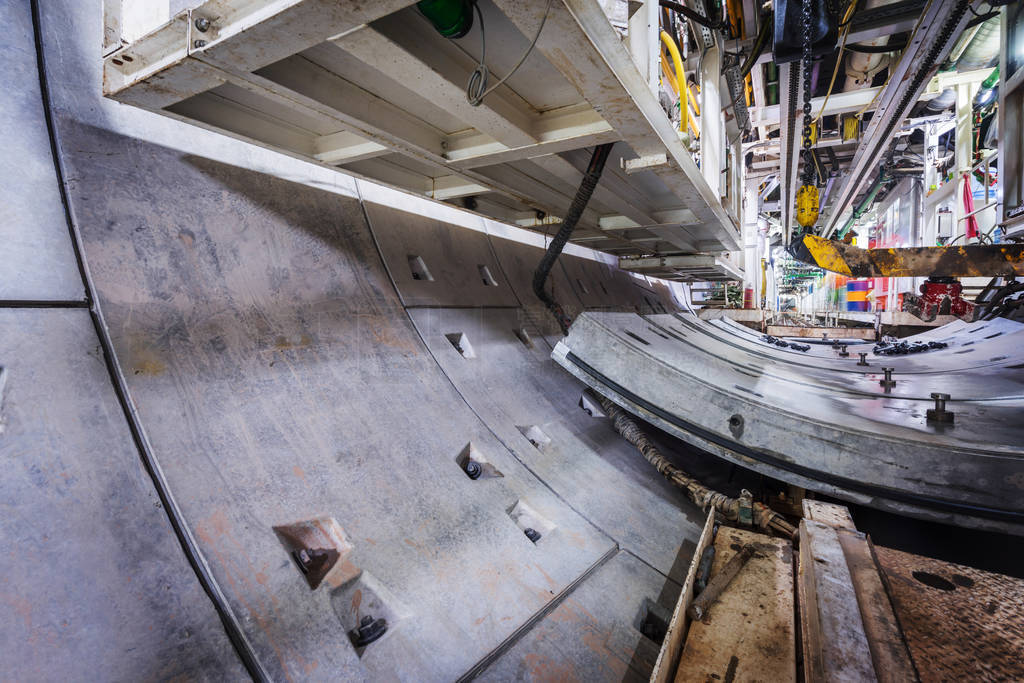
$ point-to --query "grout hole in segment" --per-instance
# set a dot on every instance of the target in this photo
(530, 522)
(485, 276)
(535, 435)
(419, 269)
(583, 287)
(474, 465)
(590, 404)
(461, 344)
(367, 610)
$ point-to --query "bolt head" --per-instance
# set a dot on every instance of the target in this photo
(199, 43)
(202, 24)
(940, 397)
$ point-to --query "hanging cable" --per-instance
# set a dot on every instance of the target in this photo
(572, 216)
(476, 88)
(839, 59)
(741, 509)
(692, 15)
(759, 44)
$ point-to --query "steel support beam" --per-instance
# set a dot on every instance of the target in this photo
(936, 32)
(789, 138)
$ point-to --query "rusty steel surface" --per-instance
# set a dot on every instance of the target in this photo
(973, 260)
(817, 419)
(960, 623)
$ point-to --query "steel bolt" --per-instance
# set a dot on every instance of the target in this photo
(532, 534)
(863, 358)
(939, 412)
(473, 469)
(199, 43)
(842, 351)
(202, 24)
(888, 382)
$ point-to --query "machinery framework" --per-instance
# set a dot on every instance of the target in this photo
(375, 90)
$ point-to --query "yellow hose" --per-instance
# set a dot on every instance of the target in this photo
(670, 78)
(677, 63)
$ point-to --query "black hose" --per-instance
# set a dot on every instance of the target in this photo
(572, 216)
(759, 44)
(877, 49)
(691, 14)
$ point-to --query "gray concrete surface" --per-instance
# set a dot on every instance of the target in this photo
(819, 420)
(276, 375)
(38, 263)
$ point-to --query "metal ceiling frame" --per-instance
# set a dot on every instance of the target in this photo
(256, 70)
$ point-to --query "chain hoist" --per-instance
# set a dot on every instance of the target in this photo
(807, 203)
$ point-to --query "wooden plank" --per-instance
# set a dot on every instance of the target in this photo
(672, 646)
(749, 633)
(960, 623)
(831, 514)
(885, 639)
(835, 646)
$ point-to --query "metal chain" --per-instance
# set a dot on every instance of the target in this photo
(808, 170)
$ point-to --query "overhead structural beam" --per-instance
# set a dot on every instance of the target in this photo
(973, 260)
(938, 28)
(789, 136)
(501, 120)
(579, 41)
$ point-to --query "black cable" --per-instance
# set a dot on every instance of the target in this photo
(980, 18)
(189, 548)
(759, 44)
(877, 49)
(572, 216)
(692, 15)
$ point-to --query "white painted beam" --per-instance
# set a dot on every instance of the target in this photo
(441, 81)
(244, 34)
(452, 187)
(580, 42)
(345, 147)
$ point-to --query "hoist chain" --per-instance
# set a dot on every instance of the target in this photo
(808, 170)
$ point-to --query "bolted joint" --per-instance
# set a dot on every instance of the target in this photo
(202, 24)
(863, 358)
(532, 534)
(939, 412)
(473, 469)
(842, 351)
(368, 631)
(888, 382)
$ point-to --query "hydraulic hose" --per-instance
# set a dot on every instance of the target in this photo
(741, 509)
(691, 14)
(572, 217)
(759, 44)
(680, 76)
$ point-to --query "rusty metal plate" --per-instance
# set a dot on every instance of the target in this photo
(960, 623)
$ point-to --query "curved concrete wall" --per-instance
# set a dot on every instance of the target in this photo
(280, 364)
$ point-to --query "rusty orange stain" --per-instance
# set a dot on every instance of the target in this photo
(300, 474)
